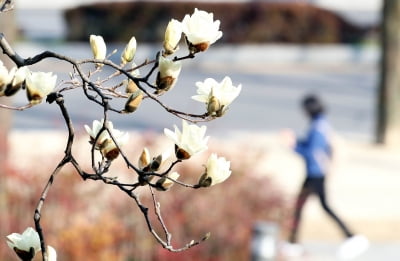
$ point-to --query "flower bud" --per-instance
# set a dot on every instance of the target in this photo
(134, 101)
(173, 35)
(205, 181)
(144, 159)
(131, 87)
(129, 51)
(156, 163)
(99, 48)
(164, 183)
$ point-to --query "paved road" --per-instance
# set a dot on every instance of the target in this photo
(274, 79)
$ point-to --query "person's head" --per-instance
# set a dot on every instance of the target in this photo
(313, 106)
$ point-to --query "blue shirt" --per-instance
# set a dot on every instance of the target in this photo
(315, 148)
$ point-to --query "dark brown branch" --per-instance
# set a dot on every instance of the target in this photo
(95, 92)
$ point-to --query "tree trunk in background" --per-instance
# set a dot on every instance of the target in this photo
(388, 122)
(7, 26)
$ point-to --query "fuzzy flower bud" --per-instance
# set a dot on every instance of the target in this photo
(99, 48)
(129, 51)
(173, 35)
(39, 85)
(144, 159)
(158, 161)
(134, 101)
(165, 183)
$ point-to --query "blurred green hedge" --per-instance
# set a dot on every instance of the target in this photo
(244, 22)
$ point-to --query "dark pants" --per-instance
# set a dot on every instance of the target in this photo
(310, 186)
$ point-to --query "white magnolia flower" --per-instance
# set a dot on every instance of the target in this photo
(110, 149)
(93, 132)
(104, 142)
(129, 51)
(190, 141)
(217, 96)
(26, 244)
(173, 35)
(51, 254)
(217, 171)
(98, 46)
(164, 183)
(168, 73)
(20, 75)
(201, 30)
(39, 85)
(5, 77)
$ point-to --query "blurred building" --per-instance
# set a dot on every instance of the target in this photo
(43, 19)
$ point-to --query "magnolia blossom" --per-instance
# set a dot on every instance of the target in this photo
(188, 142)
(217, 96)
(200, 30)
(26, 244)
(217, 171)
(129, 51)
(39, 85)
(168, 73)
(98, 46)
(104, 142)
(20, 75)
(18, 78)
(5, 77)
(173, 35)
(51, 254)
(165, 183)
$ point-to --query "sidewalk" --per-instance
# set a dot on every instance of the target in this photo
(324, 251)
(363, 189)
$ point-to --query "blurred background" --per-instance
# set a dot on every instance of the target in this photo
(279, 50)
